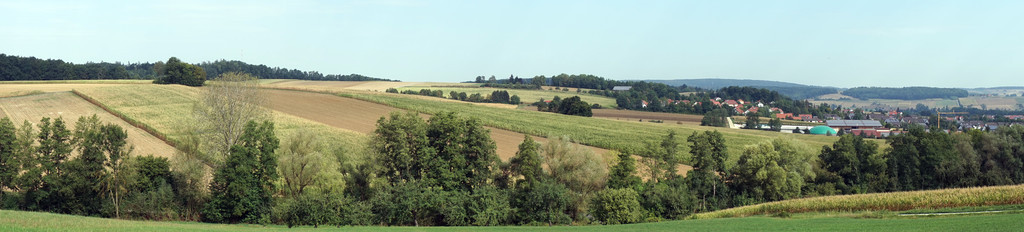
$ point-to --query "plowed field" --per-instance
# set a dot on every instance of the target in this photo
(362, 116)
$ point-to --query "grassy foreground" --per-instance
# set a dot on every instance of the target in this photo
(895, 201)
(34, 221)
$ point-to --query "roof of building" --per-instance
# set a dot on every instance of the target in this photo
(622, 88)
(853, 123)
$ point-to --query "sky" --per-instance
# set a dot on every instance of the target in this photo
(829, 43)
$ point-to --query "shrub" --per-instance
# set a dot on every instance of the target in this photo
(616, 206)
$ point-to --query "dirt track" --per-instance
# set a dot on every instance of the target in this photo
(362, 116)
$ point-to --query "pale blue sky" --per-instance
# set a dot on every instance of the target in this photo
(835, 43)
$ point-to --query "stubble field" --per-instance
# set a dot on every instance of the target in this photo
(70, 107)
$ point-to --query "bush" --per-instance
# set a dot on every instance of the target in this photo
(544, 201)
(177, 72)
(616, 206)
(669, 200)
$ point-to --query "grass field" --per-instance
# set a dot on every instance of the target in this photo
(1005, 103)
(895, 201)
(166, 107)
(34, 221)
(527, 96)
(70, 107)
(599, 132)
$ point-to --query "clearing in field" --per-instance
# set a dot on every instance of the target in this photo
(71, 107)
(361, 116)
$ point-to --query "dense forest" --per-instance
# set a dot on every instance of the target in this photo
(31, 68)
(905, 93)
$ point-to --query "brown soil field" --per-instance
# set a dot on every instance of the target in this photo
(362, 116)
(70, 107)
(641, 115)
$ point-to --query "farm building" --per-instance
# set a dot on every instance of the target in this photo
(848, 125)
(822, 130)
(622, 88)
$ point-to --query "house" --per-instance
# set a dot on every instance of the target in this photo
(716, 102)
(784, 116)
(774, 109)
(870, 133)
(752, 110)
(805, 117)
(622, 88)
(732, 103)
(643, 103)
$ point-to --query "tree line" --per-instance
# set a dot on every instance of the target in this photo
(569, 106)
(31, 68)
(498, 96)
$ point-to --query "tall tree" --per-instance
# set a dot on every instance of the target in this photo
(242, 188)
(527, 161)
(708, 152)
(623, 173)
(224, 108)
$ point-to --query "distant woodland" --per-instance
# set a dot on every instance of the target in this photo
(31, 68)
(905, 93)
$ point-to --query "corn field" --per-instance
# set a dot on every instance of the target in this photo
(894, 201)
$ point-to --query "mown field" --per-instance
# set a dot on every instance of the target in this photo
(35, 221)
(527, 96)
(902, 104)
(1006, 103)
(166, 108)
(70, 107)
(894, 201)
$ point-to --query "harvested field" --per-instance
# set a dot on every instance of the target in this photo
(10, 89)
(71, 107)
(166, 108)
(379, 86)
(361, 116)
(631, 115)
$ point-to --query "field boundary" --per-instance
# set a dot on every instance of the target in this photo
(145, 127)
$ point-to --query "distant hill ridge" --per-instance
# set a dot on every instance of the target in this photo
(718, 83)
(792, 90)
